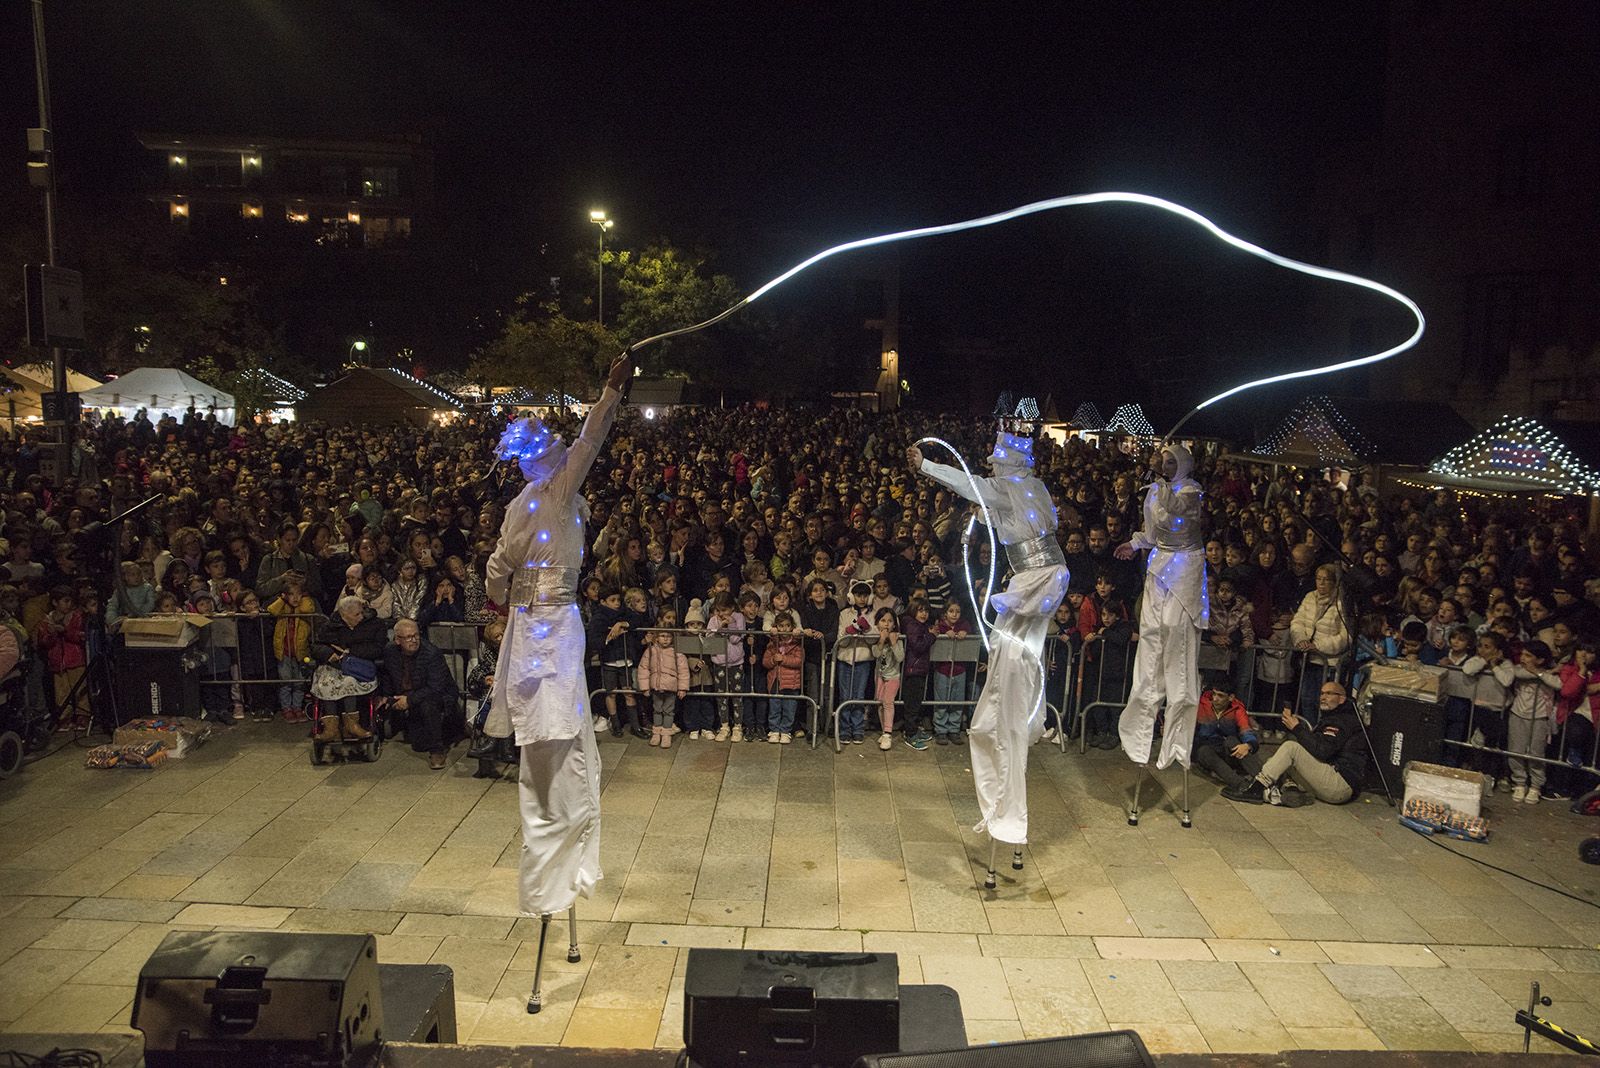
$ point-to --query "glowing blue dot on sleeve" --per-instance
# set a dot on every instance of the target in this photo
(1032, 515)
(533, 505)
(544, 535)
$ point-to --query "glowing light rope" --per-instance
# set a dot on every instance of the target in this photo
(966, 540)
(1080, 200)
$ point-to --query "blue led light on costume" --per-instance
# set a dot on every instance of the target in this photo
(544, 535)
(533, 505)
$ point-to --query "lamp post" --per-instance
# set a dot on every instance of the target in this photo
(598, 217)
(358, 345)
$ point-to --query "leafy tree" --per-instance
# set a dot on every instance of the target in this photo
(540, 348)
(664, 288)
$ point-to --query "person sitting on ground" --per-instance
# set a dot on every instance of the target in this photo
(1225, 743)
(418, 684)
(1328, 760)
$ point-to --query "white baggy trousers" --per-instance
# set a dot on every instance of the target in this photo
(560, 799)
(1165, 668)
(1008, 718)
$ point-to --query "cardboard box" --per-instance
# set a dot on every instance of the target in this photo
(177, 631)
(1419, 682)
(1454, 788)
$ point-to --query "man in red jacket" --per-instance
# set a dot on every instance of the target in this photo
(1224, 742)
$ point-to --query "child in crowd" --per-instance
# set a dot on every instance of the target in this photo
(779, 605)
(1458, 688)
(887, 656)
(757, 580)
(853, 665)
(883, 598)
(1108, 683)
(914, 674)
(291, 641)
(255, 656)
(490, 752)
(937, 582)
(1576, 712)
(663, 679)
(216, 672)
(1532, 714)
(784, 658)
(699, 714)
(753, 713)
(608, 627)
(1274, 665)
(1225, 743)
(949, 678)
(1493, 675)
(666, 597)
(727, 667)
(60, 637)
(1060, 637)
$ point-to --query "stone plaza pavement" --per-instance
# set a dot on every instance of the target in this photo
(1259, 929)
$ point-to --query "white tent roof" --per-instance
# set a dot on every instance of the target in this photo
(157, 387)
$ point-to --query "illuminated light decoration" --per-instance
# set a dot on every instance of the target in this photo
(444, 395)
(1028, 408)
(297, 215)
(352, 216)
(1088, 417)
(533, 505)
(523, 397)
(250, 211)
(1083, 199)
(1129, 419)
(1318, 421)
(177, 159)
(282, 388)
(1517, 454)
(544, 535)
(178, 210)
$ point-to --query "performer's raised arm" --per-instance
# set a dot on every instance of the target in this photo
(951, 478)
(598, 423)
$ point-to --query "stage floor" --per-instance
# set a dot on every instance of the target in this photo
(1259, 929)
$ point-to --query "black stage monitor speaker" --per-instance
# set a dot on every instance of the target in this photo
(1107, 1049)
(248, 998)
(761, 1007)
(1402, 730)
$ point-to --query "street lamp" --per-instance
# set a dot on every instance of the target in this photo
(358, 345)
(598, 217)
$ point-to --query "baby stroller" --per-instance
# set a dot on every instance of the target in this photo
(330, 686)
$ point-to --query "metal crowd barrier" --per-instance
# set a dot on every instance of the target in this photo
(702, 644)
(947, 650)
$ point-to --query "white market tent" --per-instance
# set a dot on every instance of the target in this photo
(22, 389)
(161, 391)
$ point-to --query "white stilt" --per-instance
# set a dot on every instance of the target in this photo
(1183, 815)
(1138, 784)
(989, 883)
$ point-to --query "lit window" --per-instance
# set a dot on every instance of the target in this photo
(250, 211)
(297, 215)
(353, 216)
(177, 160)
(380, 181)
(177, 210)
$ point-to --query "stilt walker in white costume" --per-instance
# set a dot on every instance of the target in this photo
(1174, 611)
(539, 696)
(1010, 713)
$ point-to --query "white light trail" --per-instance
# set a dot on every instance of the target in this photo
(1145, 200)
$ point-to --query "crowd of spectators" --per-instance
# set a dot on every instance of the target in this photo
(730, 520)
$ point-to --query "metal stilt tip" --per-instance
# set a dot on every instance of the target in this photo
(1183, 818)
(989, 881)
(533, 1005)
(573, 956)
(1133, 817)
(1016, 860)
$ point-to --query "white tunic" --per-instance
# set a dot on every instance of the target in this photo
(540, 693)
(1010, 712)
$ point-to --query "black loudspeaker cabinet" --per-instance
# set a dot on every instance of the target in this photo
(157, 682)
(1106, 1049)
(259, 998)
(1402, 730)
(769, 1007)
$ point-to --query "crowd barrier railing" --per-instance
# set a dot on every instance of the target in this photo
(965, 652)
(744, 699)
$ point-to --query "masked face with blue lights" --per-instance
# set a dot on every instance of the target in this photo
(537, 449)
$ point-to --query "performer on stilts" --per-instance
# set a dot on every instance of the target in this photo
(539, 696)
(1175, 609)
(1010, 713)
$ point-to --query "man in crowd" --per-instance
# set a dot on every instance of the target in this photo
(420, 688)
(1328, 760)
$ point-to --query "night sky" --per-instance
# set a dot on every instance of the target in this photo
(768, 131)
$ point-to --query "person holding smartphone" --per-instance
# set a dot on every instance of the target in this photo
(1328, 760)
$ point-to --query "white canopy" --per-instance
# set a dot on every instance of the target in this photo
(161, 391)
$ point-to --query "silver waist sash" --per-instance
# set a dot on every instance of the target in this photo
(543, 586)
(1043, 551)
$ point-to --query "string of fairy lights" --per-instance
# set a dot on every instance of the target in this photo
(1130, 419)
(1319, 421)
(1088, 417)
(1519, 450)
(442, 394)
(282, 388)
